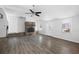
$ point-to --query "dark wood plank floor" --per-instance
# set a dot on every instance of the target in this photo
(38, 44)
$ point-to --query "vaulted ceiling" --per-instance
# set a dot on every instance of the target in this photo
(49, 12)
(17, 9)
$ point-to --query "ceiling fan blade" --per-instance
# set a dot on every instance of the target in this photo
(37, 15)
(31, 11)
(38, 12)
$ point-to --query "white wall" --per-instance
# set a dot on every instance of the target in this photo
(52, 17)
(54, 28)
(16, 23)
(3, 24)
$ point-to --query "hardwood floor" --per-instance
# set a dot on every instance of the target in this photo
(38, 44)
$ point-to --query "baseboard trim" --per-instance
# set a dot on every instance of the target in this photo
(3, 37)
(60, 39)
(16, 34)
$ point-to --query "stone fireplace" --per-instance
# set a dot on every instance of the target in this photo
(29, 28)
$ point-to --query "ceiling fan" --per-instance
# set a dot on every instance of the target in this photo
(33, 12)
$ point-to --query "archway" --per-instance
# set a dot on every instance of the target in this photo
(3, 23)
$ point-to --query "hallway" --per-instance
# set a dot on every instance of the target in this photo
(38, 44)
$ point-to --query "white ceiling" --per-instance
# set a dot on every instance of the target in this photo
(17, 9)
(49, 12)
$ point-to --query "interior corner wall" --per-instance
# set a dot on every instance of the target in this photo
(15, 23)
(54, 28)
